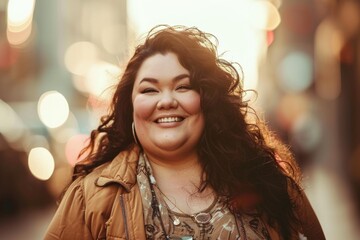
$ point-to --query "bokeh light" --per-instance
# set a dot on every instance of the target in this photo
(329, 40)
(101, 77)
(270, 37)
(19, 20)
(53, 109)
(296, 72)
(19, 14)
(41, 163)
(244, 43)
(306, 133)
(19, 38)
(80, 56)
(287, 114)
(267, 16)
(349, 17)
(302, 58)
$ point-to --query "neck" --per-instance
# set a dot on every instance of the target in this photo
(181, 181)
(183, 174)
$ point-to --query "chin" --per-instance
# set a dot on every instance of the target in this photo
(169, 147)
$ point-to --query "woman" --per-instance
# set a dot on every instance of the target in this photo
(177, 157)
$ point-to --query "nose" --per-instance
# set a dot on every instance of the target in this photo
(167, 101)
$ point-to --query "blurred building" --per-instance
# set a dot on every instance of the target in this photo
(311, 100)
(315, 72)
(57, 58)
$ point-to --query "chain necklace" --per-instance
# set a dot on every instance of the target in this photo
(155, 203)
(174, 204)
(199, 218)
(176, 220)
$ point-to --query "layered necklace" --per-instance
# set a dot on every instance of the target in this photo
(200, 218)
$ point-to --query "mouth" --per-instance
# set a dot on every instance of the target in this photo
(169, 119)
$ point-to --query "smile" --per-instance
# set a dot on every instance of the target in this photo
(169, 119)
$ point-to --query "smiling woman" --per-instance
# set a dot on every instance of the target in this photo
(167, 112)
(176, 157)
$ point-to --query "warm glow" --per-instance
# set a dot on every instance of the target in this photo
(329, 40)
(98, 81)
(349, 17)
(276, 3)
(288, 114)
(263, 15)
(74, 146)
(101, 77)
(80, 56)
(53, 109)
(19, 21)
(270, 36)
(80, 84)
(41, 163)
(239, 26)
(19, 38)
(111, 40)
(19, 14)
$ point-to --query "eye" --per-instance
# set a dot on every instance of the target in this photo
(184, 87)
(148, 90)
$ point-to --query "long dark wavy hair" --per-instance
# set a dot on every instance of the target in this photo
(241, 158)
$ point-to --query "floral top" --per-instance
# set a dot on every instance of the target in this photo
(167, 224)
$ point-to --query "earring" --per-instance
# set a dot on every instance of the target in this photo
(134, 133)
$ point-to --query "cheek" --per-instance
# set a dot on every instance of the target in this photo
(191, 103)
(143, 107)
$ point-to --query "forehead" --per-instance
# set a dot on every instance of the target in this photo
(160, 66)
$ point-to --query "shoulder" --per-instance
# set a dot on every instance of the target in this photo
(119, 173)
(83, 191)
(89, 200)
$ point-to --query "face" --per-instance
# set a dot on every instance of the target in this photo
(167, 112)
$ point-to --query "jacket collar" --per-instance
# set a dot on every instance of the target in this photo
(121, 170)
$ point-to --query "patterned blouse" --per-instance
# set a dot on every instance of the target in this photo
(222, 225)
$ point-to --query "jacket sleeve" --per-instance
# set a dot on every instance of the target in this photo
(310, 225)
(69, 219)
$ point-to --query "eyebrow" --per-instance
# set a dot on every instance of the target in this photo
(175, 79)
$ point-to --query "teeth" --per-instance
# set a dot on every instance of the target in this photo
(169, 119)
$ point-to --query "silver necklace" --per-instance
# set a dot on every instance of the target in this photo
(200, 218)
(155, 204)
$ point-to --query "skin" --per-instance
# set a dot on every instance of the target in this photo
(167, 113)
(169, 123)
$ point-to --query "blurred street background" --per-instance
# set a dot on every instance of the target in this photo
(59, 59)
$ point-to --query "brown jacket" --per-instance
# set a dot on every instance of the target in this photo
(105, 207)
(106, 204)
